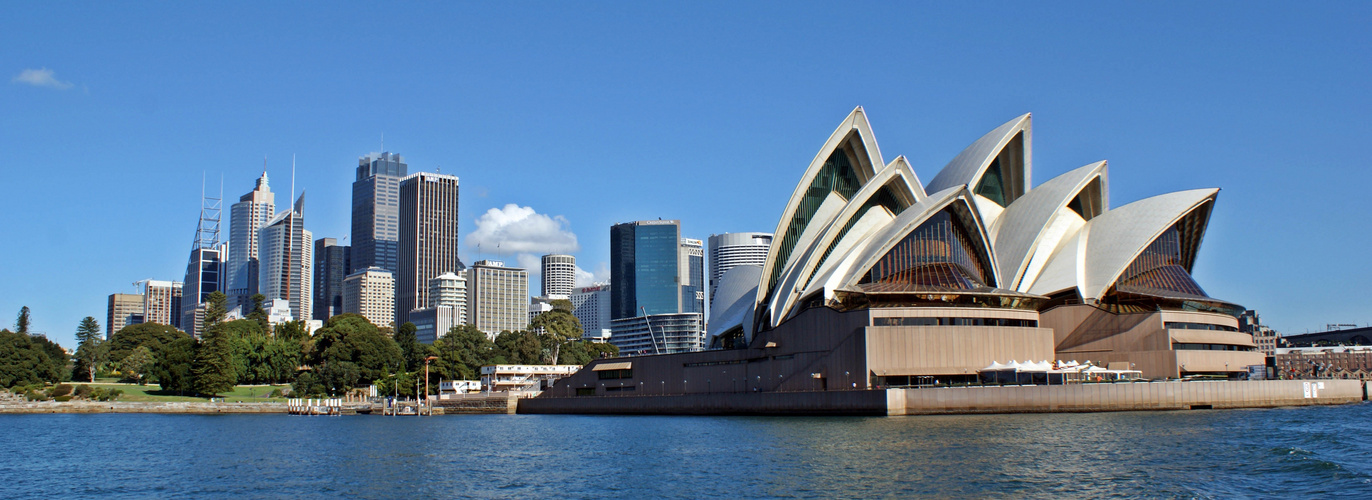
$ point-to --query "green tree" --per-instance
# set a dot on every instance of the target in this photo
(349, 351)
(137, 365)
(291, 330)
(153, 335)
(461, 354)
(213, 369)
(599, 350)
(57, 356)
(21, 324)
(410, 348)
(556, 328)
(173, 367)
(90, 356)
(257, 313)
(520, 348)
(89, 353)
(24, 361)
(87, 330)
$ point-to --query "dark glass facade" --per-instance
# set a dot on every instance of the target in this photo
(941, 254)
(331, 265)
(1159, 270)
(836, 176)
(376, 212)
(644, 269)
(883, 198)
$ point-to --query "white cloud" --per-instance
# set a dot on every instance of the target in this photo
(516, 229)
(587, 278)
(41, 78)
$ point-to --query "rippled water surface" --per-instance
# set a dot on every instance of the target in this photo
(1301, 452)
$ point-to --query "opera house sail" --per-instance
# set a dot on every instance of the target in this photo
(874, 280)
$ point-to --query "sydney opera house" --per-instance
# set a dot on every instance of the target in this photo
(875, 279)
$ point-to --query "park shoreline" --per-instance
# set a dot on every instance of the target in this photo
(178, 407)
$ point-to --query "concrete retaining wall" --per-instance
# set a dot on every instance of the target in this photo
(1122, 396)
(729, 403)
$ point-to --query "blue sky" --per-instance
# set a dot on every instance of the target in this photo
(597, 113)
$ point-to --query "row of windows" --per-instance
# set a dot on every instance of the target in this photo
(616, 374)
(1181, 325)
(1210, 347)
(1026, 323)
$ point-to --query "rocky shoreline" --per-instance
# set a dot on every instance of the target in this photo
(12, 407)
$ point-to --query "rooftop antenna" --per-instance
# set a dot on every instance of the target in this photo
(383, 142)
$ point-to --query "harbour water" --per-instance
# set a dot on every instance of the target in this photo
(1289, 452)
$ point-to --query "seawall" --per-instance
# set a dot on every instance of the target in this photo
(138, 407)
(1123, 396)
(970, 400)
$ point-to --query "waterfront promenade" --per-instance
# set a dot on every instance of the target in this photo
(1131, 396)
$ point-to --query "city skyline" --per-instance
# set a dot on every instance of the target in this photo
(1252, 106)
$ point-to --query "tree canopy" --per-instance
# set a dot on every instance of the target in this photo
(25, 360)
(153, 335)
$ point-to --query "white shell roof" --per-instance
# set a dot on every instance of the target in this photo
(795, 277)
(855, 123)
(888, 237)
(969, 165)
(732, 304)
(1113, 239)
(1020, 227)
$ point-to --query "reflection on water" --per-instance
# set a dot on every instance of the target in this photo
(1286, 452)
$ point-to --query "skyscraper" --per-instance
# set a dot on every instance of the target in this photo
(447, 307)
(591, 306)
(286, 267)
(692, 272)
(497, 297)
(371, 293)
(729, 250)
(559, 275)
(656, 305)
(205, 269)
(246, 218)
(331, 265)
(643, 268)
(376, 212)
(162, 302)
(124, 309)
(428, 238)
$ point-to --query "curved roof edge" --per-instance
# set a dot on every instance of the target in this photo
(968, 166)
(797, 276)
(909, 221)
(736, 295)
(1020, 228)
(1118, 236)
(855, 123)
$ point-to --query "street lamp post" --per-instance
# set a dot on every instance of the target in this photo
(426, 375)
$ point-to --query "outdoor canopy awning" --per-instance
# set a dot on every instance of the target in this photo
(623, 365)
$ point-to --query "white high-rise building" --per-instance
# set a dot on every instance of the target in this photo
(591, 306)
(497, 297)
(447, 307)
(450, 290)
(286, 268)
(371, 293)
(246, 218)
(691, 272)
(736, 249)
(559, 275)
(162, 302)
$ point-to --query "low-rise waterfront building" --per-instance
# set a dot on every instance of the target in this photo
(524, 378)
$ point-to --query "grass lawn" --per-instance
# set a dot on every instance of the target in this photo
(153, 393)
